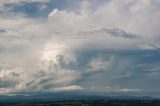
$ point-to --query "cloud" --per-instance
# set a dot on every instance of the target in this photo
(2, 30)
(4, 2)
(68, 88)
(96, 46)
(99, 63)
(133, 16)
(122, 90)
(11, 7)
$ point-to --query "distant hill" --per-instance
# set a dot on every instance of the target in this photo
(49, 97)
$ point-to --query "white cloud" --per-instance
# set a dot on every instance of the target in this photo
(133, 16)
(3, 2)
(127, 90)
(68, 88)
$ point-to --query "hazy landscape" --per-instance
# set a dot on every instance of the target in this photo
(67, 99)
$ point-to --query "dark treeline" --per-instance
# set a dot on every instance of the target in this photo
(93, 103)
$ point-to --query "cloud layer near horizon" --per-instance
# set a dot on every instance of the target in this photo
(112, 47)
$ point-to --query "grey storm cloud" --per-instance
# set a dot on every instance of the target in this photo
(111, 32)
(2, 30)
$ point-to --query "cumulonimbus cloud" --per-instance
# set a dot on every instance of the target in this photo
(70, 50)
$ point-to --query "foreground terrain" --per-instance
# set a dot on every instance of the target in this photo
(92, 103)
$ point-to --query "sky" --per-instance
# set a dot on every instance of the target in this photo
(91, 46)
